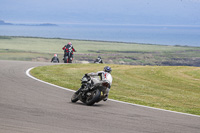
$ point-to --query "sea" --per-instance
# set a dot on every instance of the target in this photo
(143, 34)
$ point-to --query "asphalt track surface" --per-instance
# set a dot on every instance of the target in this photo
(30, 106)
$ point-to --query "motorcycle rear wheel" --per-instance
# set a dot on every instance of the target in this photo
(70, 61)
(65, 59)
(94, 97)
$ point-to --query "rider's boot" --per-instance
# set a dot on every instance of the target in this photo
(106, 97)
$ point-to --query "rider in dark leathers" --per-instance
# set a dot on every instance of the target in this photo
(55, 59)
(98, 60)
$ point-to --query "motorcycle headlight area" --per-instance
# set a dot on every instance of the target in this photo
(84, 80)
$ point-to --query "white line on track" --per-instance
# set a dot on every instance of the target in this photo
(28, 74)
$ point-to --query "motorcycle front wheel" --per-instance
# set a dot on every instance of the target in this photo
(74, 98)
(94, 97)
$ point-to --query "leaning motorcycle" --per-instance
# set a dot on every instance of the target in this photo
(92, 93)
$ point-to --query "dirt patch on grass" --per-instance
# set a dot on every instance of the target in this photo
(41, 59)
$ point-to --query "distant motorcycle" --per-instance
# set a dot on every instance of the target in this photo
(68, 56)
(91, 94)
(98, 60)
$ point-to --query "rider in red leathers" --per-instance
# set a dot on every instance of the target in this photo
(68, 48)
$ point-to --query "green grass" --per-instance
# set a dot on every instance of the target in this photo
(51, 45)
(25, 56)
(111, 52)
(167, 87)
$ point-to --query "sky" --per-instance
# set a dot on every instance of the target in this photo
(130, 12)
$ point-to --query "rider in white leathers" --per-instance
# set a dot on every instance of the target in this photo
(105, 80)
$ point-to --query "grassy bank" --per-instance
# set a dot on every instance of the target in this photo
(167, 87)
(42, 49)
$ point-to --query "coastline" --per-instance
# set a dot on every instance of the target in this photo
(173, 36)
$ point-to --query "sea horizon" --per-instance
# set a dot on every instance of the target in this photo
(181, 35)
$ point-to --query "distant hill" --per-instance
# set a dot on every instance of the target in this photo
(4, 23)
(44, 24)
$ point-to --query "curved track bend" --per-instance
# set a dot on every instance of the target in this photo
(29, 106)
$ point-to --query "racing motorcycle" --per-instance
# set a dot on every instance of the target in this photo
(92, 93)
(68, 56)
(98, 60)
